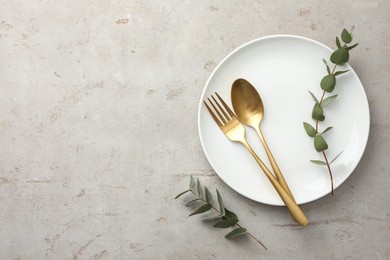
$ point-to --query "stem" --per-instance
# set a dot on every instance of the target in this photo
(323, 152)
(330, 172)
(334, 68)
(323, 95)
(212, 206)
(258, 241)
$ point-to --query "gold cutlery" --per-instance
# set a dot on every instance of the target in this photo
(248, 106)
(235, 131)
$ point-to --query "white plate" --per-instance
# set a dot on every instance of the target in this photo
(283, 68)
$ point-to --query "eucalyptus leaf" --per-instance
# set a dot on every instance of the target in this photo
(338, 43)
(236, 233)
(328, 70)
(326, 130)
(225, 223)
(318, 113)
(318, 162)
(334, 159)
(351, 47)
(220, 202)
(309, 129)
(340, 56)
(346, 36)
(191, 201)
(340, 72)
(327, 67)
(198, 187)
(209, 197)
(230, 215)
(314, 97)
(182, 193)
(202, 209)
(192, 184)
(328, 83)
(328, 100)
(320, 143)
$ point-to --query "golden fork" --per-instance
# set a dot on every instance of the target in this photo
(235, 131)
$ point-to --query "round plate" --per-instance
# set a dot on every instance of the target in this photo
(283, 68)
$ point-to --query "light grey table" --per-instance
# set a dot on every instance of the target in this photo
(98, 130)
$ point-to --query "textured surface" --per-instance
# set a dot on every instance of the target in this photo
(98, 130)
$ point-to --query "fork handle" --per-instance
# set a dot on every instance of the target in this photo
(290, 203)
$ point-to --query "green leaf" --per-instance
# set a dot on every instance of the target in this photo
(309, 129)
(318, 162)
(230, 215)
(338, 43)
(346, 36)
(351, 47)
(208, 196)
(192, 184)
(314, 97)
(202, 209)
(319, 143)
(318, 113)
(340, 72)
(180, 194)
(334, 159)
(212, 218)
(325, 62)
(327, 67)
(328, 100)
(198, 187)
(328, 83)
(236, 233)
(340, 56)
(326, 130)
(220, 202)
(191, 201)
(225, 223)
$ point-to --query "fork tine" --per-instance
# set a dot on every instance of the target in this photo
(221, 109)
(213, 115)
(226, 106)
(216, 110)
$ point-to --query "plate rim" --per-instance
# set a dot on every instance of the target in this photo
(267, 38)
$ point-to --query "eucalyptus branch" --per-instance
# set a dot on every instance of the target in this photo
(226, 217)
(328, 84)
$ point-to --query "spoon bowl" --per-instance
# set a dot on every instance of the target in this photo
(247, 103)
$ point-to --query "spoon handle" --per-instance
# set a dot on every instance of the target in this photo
(290, 203)
(274, 165)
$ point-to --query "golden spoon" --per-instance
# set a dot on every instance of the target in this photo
(249, 109)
